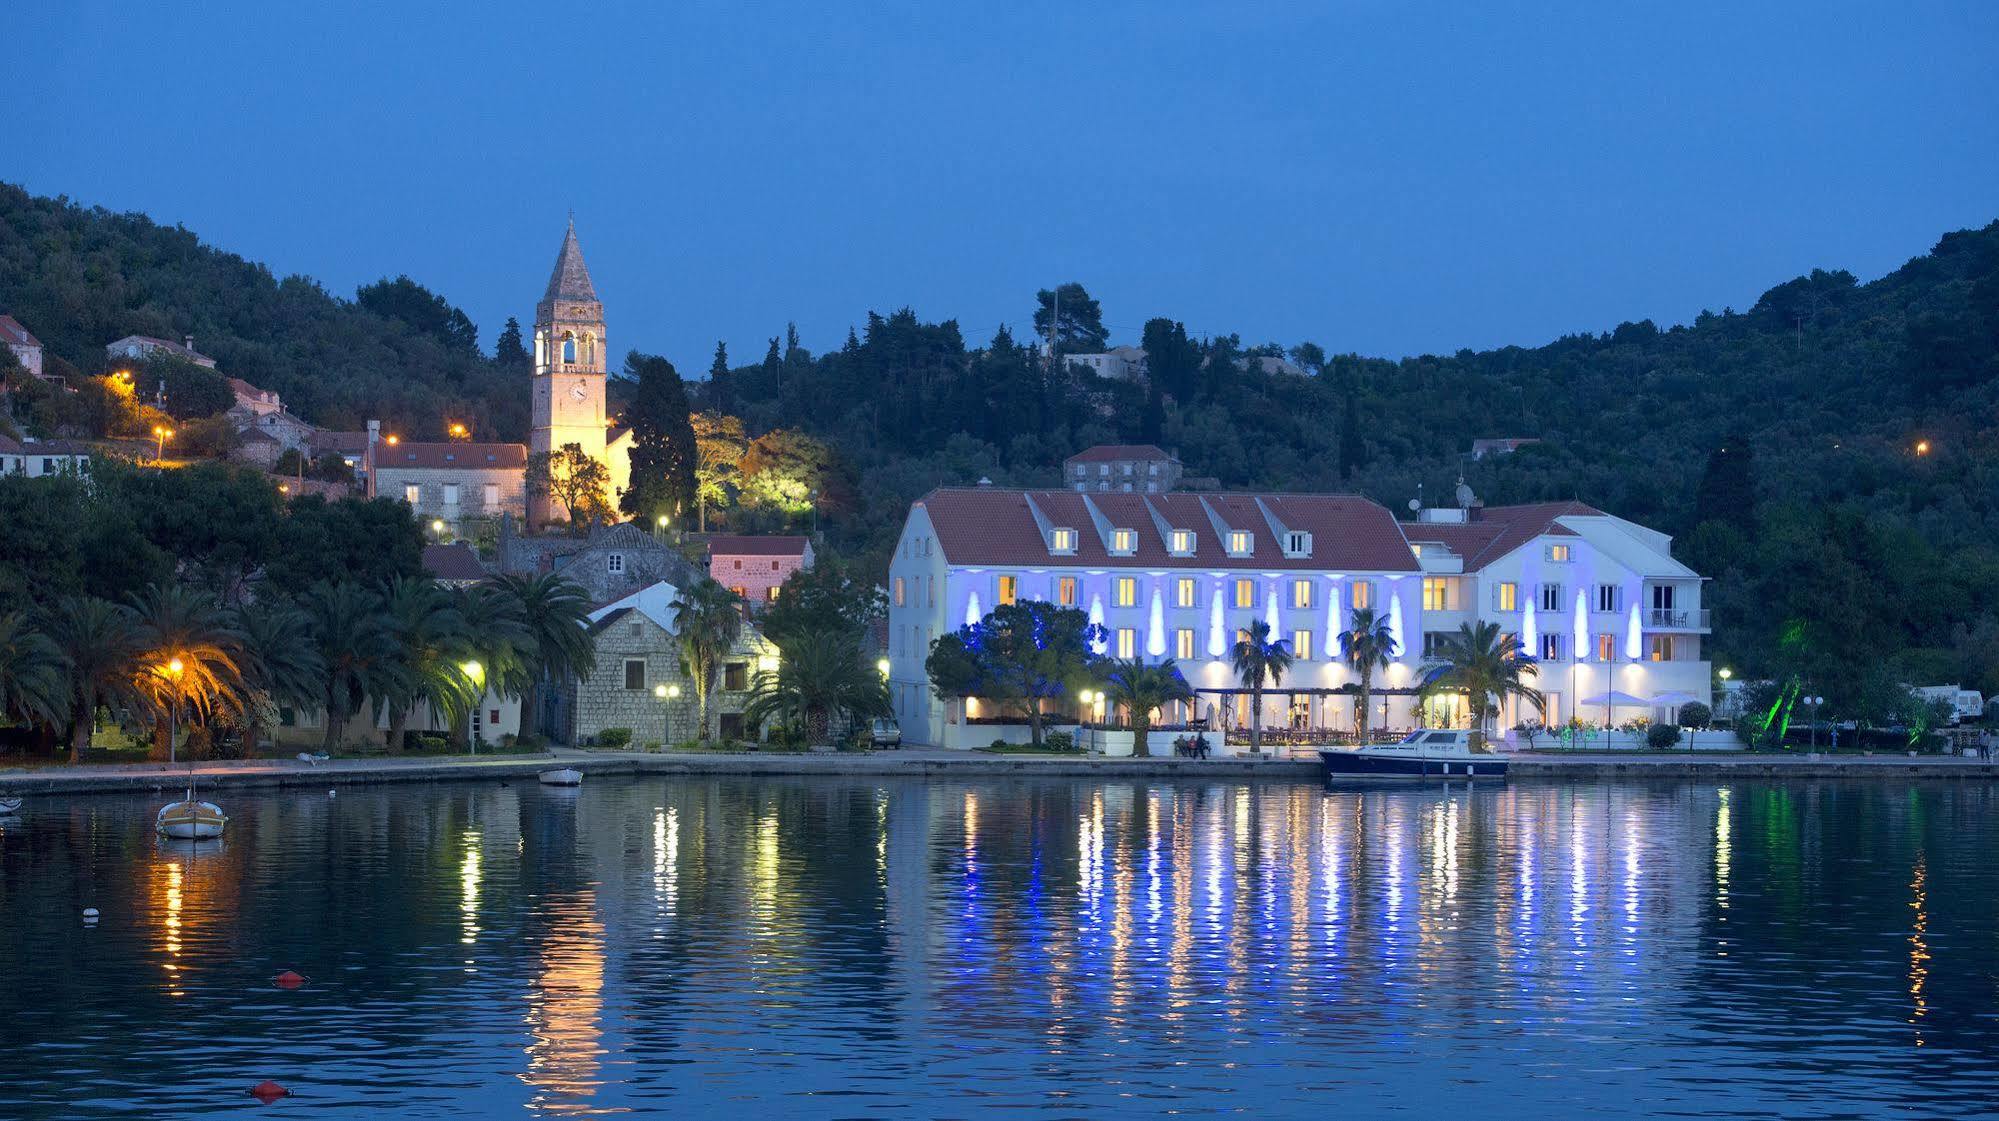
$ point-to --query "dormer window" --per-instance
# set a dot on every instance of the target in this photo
(1062, 541)
(1124, 542)
(1559, 554)
(1181, 542)
(1241, 542)
(1297, 544)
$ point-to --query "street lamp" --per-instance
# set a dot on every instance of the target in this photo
(666, 694)
(175, 668)
(459, 431)
(437, 526)
(881, 664)
(161, 434)
(1814, 702)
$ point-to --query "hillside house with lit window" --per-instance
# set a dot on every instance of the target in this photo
(755, 567)
(453, 482)
(1599, 600)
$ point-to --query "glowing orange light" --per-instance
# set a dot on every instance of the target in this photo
(394, 439)
(458, 431)
(1922, 447)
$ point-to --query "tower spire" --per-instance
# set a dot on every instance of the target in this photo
(571, 278)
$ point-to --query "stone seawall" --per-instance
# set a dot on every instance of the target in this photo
(141, 778)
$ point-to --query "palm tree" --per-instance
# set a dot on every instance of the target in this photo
(1367, 645)
(191, 655)
(821, 675)
(98, 646)
(1141, 687)
(428, 629)
(555, 615)
(495, 643)
(281, 666)
(707, 617)
(1486, 665)
(1257, 658)
(356, 641)
(34, 684)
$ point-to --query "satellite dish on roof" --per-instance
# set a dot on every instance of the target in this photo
(1464, 495)
(1415, 504)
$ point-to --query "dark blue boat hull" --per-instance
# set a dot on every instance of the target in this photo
(1356, 764)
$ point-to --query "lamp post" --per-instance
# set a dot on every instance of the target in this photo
(174, 670)
(161, 434)
(476, 674)
(667, 694)
(1814, 702)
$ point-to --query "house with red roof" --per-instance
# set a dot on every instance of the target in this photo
(1615, 623)
(756, 566)
(25, 345)
(1122, 468)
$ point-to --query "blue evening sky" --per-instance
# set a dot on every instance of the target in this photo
(1388, 178)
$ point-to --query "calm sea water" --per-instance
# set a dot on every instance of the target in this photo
(865, 948)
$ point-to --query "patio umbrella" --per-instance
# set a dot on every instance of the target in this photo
(1673, 699)
(1614, 697)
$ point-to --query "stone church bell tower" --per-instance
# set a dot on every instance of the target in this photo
(569, 350)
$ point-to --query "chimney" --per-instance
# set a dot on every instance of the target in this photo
(189, 341)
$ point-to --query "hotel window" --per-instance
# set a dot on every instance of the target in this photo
(492, 495)
(930, 591)
(1009, 589)
(1508, 598)
(1551, 648)
(1551, 597)
(410, 493)
(1125, 593)
(1606, 648)
(1241, 543)
(1183, 644)
(1661, 649)
(1245, 593)
(1297, 544)
(1181, 543)
(1609, 598)
(1124, 542)
(1301, 645)
(1183, 592)
(1558, 554)
(1065, 591)
(635, 674)
(1440, 593)
(615, 563)
(1301, 593)
(1363, 595)
(900, 592)
(451, 494)
(1062, 541)
(1127, 642)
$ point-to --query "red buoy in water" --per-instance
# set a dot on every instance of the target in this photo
(288, 980)
(268, 1091)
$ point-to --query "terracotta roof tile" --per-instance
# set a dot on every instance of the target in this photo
(1106, 453)
(469, 456)
(754, 545)
(1498, 530)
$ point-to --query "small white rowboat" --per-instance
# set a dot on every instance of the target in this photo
(567, 776)
(191, 820)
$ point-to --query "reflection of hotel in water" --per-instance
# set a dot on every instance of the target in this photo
(623, 925)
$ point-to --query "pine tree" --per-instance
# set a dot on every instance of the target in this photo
(774, 367)
(664, 453)
(721, 393)
(509, 353)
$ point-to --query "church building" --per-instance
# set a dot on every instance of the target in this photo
(570, 356)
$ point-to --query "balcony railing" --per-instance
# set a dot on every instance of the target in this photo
(1675, 618)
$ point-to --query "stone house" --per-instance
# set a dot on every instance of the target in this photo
(610, 563)
(139, 347)
(639, 659)
(36, 458)
(453, 482)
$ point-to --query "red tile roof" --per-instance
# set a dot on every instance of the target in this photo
(1107, 453)
(1498, 530)
(990, 526)
(11, 331)
(745, 545)
(469, 456)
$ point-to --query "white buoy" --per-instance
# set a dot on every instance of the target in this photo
(333, 794)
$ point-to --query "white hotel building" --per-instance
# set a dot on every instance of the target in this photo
(1599, 600)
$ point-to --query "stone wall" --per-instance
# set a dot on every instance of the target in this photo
(392, 482)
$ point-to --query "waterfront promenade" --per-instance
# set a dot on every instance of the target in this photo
(265, 773)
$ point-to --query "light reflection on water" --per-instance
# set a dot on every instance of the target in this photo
(815, 947)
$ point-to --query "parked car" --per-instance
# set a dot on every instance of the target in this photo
(885, 733)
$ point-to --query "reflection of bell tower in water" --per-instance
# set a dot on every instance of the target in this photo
(569, 358)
